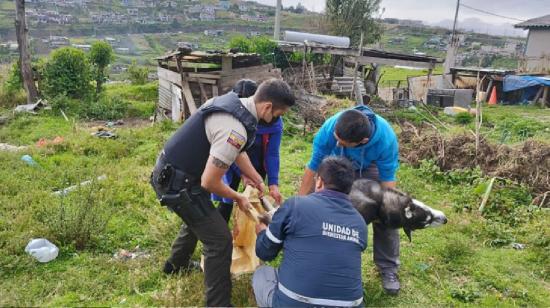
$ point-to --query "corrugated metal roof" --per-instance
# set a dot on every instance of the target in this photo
(540, 22)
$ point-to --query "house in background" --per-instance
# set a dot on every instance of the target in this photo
(537, 53)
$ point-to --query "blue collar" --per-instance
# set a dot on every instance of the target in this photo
(333, 194)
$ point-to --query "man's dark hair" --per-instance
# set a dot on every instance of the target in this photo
(245, 88)
(353, 126)
(275, 91)
(337, 173)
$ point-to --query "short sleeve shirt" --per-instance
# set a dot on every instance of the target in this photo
(226, 134)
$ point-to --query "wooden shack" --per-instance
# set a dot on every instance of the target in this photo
(187, 79)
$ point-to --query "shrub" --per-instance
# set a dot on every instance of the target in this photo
(137, 74)
(105, 108)
(102, 107)
(464, 118)
(101, 55)
(262, 45)
(68, 72)
(265, 47)
(80, 218)
(65, 103)
(242, 44)
(456, 250)
(11, 87)
(14, 82)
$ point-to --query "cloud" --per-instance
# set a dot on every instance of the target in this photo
(433, 11)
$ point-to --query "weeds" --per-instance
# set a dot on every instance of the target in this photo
(80, 218)
(498, 233)
(456, 250)
(467, 294)
(103, 107)
(464, 118)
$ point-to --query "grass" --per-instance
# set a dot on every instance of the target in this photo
(392, 75)
(501, 124)
(451, 266)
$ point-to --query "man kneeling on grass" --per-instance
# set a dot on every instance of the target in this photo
(322, 237)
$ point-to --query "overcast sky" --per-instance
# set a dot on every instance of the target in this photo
(433, 11)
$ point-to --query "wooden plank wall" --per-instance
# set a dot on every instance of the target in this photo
(203, 86)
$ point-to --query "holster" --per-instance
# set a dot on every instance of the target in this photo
(183, 195)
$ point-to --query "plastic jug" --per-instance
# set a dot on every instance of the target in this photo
(28, 159)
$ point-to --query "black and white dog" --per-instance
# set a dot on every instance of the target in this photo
(393, 208)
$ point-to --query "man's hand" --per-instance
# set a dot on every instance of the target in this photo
(247, 181)
(260, 227)
(275, 194)
(243, 203)
(259, 185)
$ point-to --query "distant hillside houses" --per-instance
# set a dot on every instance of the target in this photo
(257, 17)
(57, 41)
(145, 11)
(243, 7)
(109, 18)
(403, 22)
(85, 47)
(11, 46)
(49, 17)
(61, 3)
(202, 12)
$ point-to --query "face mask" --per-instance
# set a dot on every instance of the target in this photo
(265, 123)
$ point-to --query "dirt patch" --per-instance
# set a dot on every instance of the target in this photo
(527, 163)
(125, 123)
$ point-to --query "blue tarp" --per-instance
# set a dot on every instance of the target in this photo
(513, 83)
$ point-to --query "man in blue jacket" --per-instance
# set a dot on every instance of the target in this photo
(370, 143)
(322, 237)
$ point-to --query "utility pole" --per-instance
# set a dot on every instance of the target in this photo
(452, 48)
(456, 17)
(277, 32)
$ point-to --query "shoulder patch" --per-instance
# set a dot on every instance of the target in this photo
(235, 139)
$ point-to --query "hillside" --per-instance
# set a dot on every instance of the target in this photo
(109, 17)
(494, 51)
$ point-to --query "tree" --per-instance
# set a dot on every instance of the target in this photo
(101, 55)
(137, 74)
(241, 43)
(300, 9)
(24, 55)
(68, 71)
(353, 17)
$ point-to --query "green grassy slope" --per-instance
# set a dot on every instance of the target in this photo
(452, 265)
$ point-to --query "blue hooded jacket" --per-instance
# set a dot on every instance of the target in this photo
(381, 149)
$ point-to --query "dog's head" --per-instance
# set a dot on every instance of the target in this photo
(418, 215)
(393, 208)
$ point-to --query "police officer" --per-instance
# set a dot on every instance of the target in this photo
(191, 166)
(264, 155)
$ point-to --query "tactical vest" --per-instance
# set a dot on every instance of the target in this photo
(188, 149)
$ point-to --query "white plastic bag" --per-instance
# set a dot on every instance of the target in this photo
(42, 250)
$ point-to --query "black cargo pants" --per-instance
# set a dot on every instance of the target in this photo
(212, 230)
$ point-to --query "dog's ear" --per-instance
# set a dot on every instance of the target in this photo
(408, 232)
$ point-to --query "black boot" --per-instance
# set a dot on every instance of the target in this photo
(193, 266)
